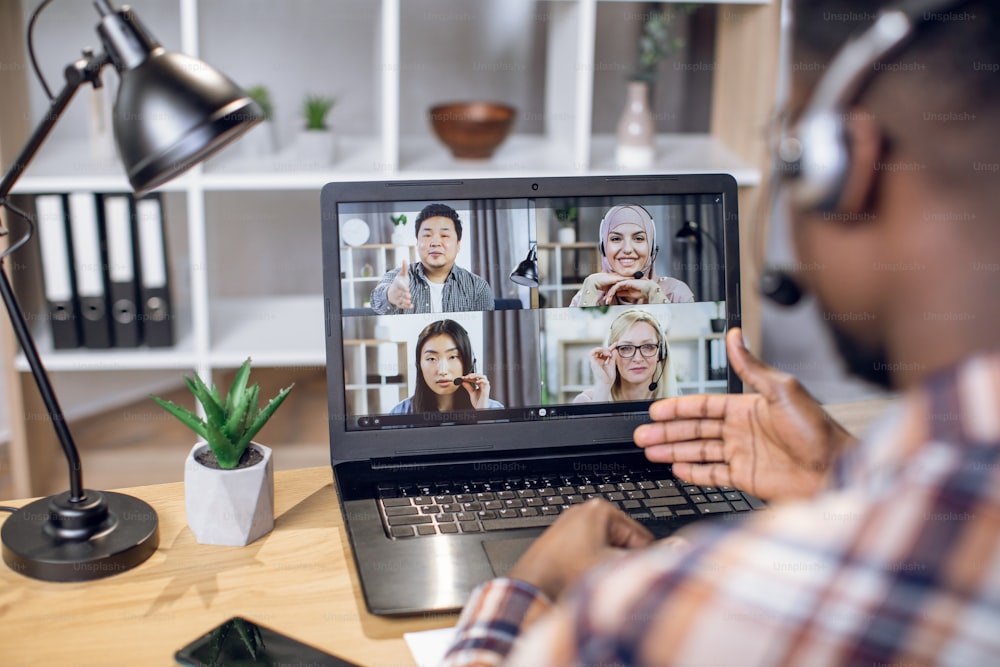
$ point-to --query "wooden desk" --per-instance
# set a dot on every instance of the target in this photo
(299, 579)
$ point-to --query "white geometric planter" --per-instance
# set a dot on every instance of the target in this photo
(229, 507)
(315, 149)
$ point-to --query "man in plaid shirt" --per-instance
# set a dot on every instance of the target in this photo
(879, 552)
(434, 284)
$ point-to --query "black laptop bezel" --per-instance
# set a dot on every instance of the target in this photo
(549, 435)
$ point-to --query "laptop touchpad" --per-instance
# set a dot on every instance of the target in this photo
(502, 554)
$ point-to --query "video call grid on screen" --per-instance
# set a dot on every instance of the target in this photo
(535, 349)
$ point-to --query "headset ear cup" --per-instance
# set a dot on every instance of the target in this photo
(817, 179)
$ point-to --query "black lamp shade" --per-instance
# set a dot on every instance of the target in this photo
(526, 273)
(688, 233)
(173, 111)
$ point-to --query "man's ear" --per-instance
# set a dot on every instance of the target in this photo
(866, 140)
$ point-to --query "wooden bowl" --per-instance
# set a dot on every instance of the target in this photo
(472, 129)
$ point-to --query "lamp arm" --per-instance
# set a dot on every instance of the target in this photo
(82, 71)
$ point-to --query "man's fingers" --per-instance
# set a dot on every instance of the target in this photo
(700, 451)
(404, 270)
(624, 532)
(705, 474)
(700, 406)
(676, 431)
(764, 379)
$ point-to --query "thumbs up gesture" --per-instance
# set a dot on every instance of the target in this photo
(399, 291)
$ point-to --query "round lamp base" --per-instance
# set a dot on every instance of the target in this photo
(49, 539)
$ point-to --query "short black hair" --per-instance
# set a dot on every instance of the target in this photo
(442, 211)
(947, 72)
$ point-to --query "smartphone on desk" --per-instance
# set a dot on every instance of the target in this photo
(242, 642)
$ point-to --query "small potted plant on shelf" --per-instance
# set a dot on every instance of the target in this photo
(316, 141)
(229, 478)
(567, 224)
(400, 232)
(718, 323)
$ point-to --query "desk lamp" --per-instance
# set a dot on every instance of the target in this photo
(691, 232)
(171, 112)
(526, 273)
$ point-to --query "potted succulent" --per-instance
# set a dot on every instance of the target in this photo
(400, 232)
(261, 140)
(316, 141)
(567, 224)
(718, 323)
(228, 478)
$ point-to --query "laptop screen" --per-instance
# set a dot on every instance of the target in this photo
(458, 309)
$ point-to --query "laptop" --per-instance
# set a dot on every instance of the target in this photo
(456, 437)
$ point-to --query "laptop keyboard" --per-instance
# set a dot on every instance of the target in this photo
(418, 510)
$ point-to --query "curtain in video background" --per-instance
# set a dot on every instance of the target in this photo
(510, 335)
(512, 367)
(700, 264)
(490, 247)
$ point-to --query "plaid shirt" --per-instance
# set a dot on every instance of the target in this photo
(463, 290)
(898, 563)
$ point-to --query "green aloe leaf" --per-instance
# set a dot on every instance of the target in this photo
(213, 410)
(253, 410)
(239, 414)
(227, 453)
(238, 388)
(188, 418)
(264, 415)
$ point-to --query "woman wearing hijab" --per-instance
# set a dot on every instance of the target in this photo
(628, 248)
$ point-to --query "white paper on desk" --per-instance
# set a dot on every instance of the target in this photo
(428, 647)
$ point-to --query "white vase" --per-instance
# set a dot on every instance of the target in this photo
(401, 235)
(315, 148)
(229, 507)
(636, 129)
(566, 235)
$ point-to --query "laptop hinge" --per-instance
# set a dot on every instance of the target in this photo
(410, 462)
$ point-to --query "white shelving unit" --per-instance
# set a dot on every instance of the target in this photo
(558, 260)
(368, 394)
(229, 311)
(356, 286)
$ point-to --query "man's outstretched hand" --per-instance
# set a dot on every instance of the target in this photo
(399, 289)
(776, 444)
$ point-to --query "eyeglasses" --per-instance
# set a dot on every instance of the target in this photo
(628, 351)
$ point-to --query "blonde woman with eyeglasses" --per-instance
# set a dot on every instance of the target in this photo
(635, 364)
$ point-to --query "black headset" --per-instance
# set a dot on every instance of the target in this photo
(660, 359)
(812, 159)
